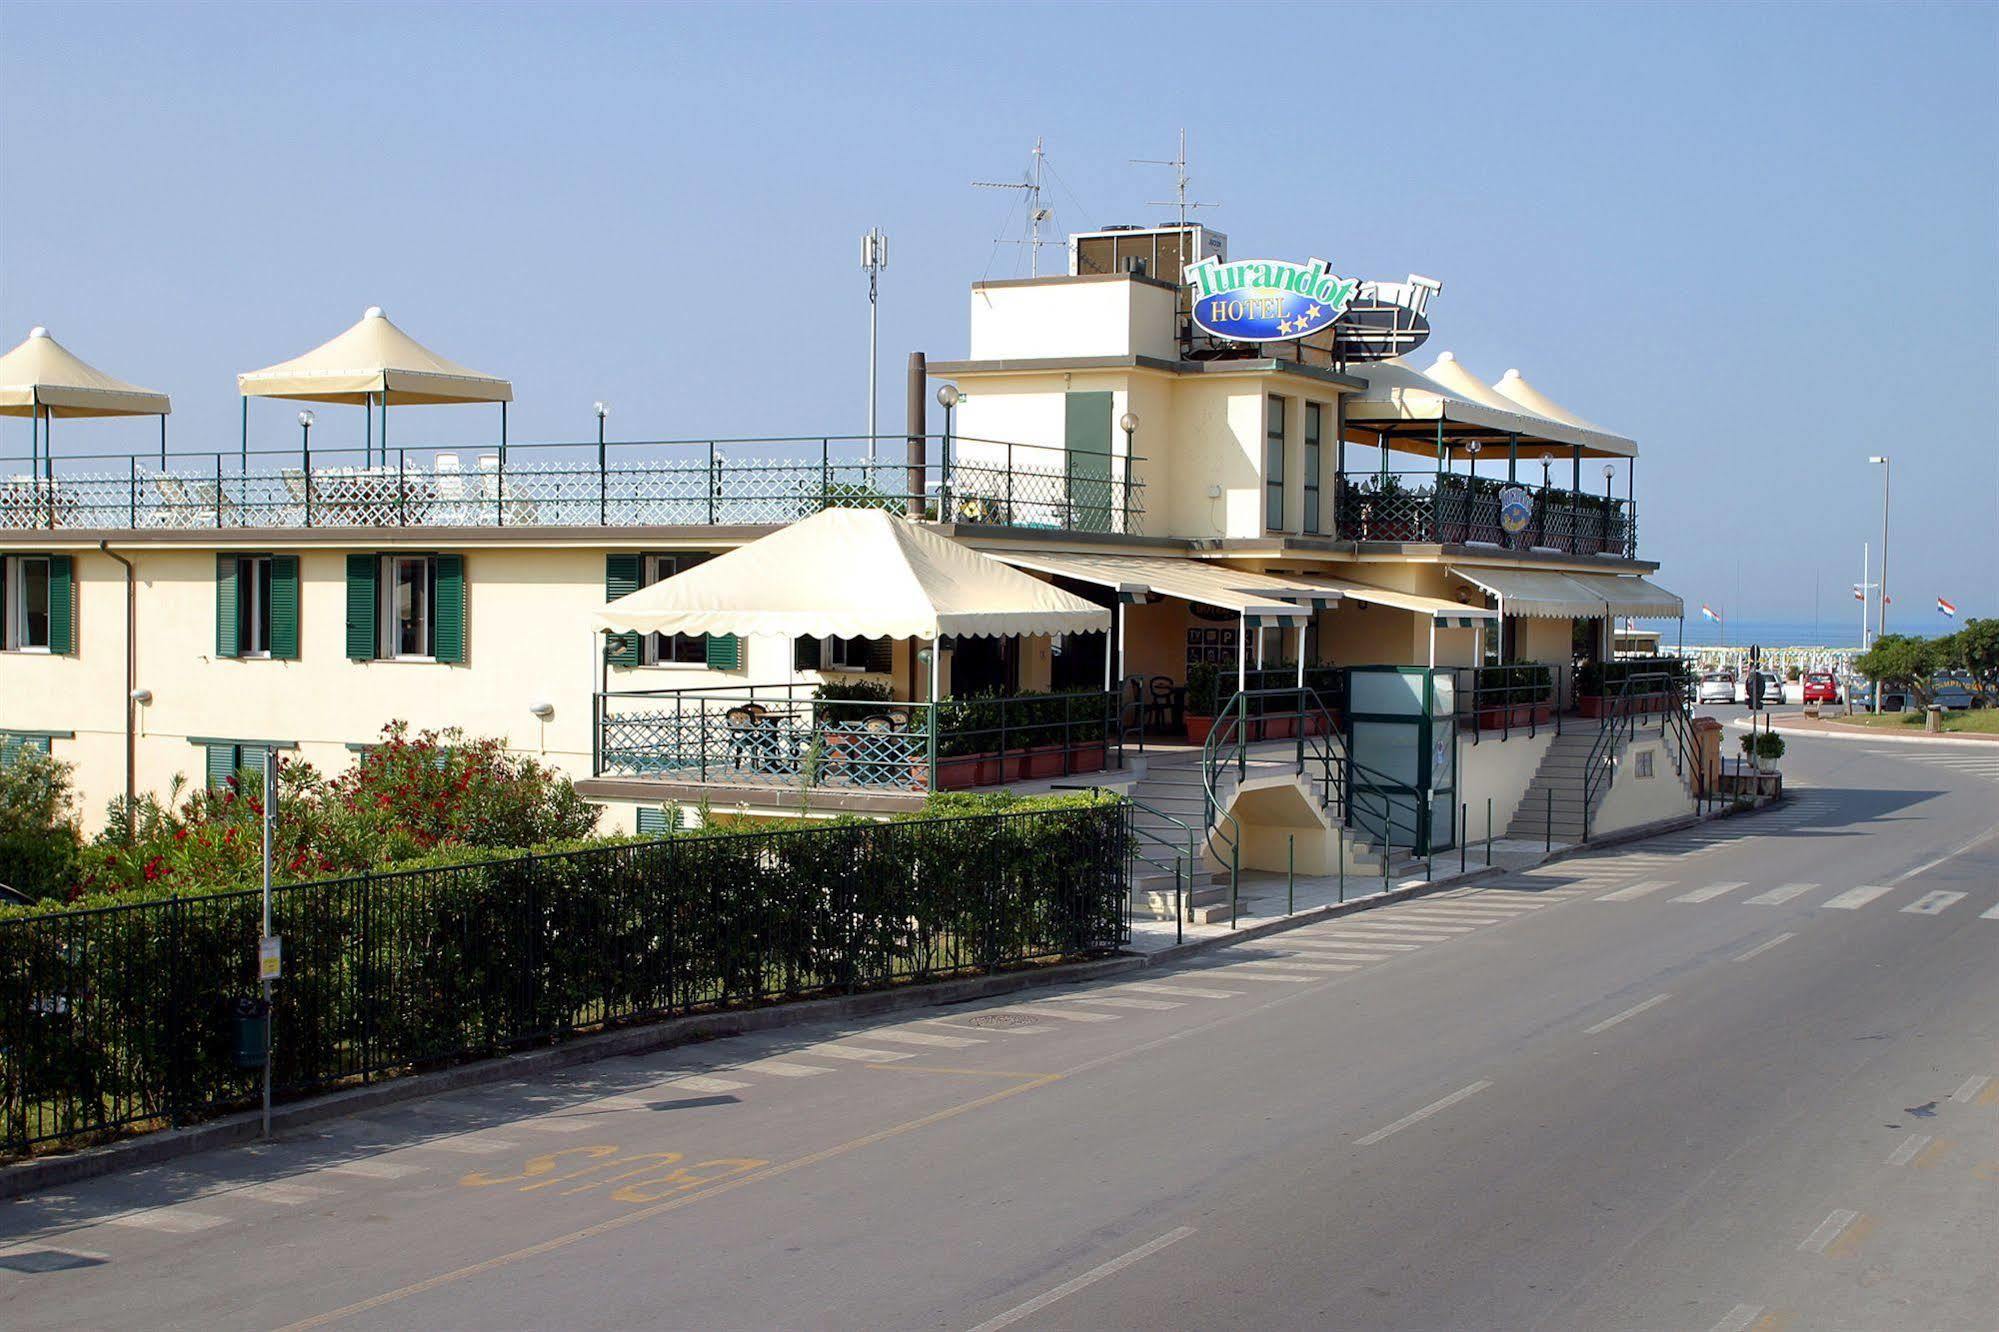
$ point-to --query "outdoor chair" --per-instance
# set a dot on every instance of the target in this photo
(744, 739)
(1167, 707)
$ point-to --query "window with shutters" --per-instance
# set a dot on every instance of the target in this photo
(29, 594)
(409, 592)
(1314, 450)
(13, 744)
(225, 758)
(853, 654)
(673, 649)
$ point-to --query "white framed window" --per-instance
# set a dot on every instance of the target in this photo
(253, 606)
(27, 586)
(849, 654)
(671, 649)
(409, 597)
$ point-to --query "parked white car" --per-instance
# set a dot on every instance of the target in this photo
(1717, 687)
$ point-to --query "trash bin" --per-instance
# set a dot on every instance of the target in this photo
(1707, 740)
(250, 1026)
(1933, 719)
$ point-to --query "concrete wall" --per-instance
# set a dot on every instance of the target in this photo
(1634, 800)
(1499, 770)
(1067, 317)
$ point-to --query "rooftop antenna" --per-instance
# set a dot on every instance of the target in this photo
(1036, 214)
(1180, 182)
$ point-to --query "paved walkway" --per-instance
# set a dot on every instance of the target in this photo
(1798, 721)
(1265, 897)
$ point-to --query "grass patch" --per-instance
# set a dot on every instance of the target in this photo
(1981, 721)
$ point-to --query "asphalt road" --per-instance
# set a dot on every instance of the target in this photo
(1745, 1076)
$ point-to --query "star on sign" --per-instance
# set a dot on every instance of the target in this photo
(1311, 312)
(1284, 326)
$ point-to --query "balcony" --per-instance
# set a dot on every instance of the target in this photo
(1453, 509)
(701, 483)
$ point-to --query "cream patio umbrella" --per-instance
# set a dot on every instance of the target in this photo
(1513, 387)
(373, 363)
(41, 379)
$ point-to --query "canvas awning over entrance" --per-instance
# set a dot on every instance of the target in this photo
(853, 573)
(1445, 614)
(1261, 598)
(43, 377)
(373, 360)
(1628, 594)
(1544, 593)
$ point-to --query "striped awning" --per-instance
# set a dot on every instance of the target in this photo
(1261, 599)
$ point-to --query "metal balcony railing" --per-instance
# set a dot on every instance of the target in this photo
(723, 482)
(1377, 506)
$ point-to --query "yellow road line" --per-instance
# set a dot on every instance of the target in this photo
(1851, 1238)
(660, 1209)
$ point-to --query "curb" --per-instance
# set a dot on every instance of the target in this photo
(1837, 732)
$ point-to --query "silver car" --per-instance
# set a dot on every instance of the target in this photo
(1717, 687)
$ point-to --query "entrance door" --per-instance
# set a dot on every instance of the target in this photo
(1401, 734)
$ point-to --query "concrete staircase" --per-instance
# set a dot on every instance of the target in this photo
(1553, 805)
(1173, 787)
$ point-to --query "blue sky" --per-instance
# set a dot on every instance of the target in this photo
(1762, 240)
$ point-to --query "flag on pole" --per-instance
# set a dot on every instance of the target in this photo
(1708, 612)
(1947, 608)
(1859, 594)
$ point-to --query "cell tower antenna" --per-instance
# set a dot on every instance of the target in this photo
(1036, 213)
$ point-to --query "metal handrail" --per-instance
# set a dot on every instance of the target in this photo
(1231, 733)
(1182, 909)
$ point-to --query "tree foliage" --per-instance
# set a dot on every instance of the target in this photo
(1900, 661)
(39, 840)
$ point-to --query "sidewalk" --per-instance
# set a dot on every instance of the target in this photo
(1798, 723)
(1263, 898)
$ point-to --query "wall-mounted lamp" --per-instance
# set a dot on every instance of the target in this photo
(142, 696)
(1464, 596)
(1214, 492)
(542, 709)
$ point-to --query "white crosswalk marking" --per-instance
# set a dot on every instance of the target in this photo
(1188, 991)
(1855, 898)
(702, 1083)
(469, 1145)
(1288, 964)
(1113, 1001)
(1337, 954)
(1020, 1029)
(554, 1124)
(1636, 890)
(1932, 904)
(1067, 1014)
(1237, 972)
(1428, 934)
(860, 1054)
(1780, 895)
(925, 1038)
(784, 1068)
(1366, 941)
(368, 1168)
(1709, 893)
(168, 1220)
(277, 1191)
(1992, 914)
(1438, 917)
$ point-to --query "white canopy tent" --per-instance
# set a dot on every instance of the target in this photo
(41, 379)
(854, 573)
(374, 363)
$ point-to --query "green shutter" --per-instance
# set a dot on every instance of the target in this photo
(725, 652)
(881, 656)
(807, 654)
(222, 765)
(225, 606)
(652, 822)
(621, 579)
(11, 747)
(1086, 438)
(447, 621)
(364, 632)
(62, 604)
(284, 607)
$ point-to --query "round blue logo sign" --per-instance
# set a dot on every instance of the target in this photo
(1266, 300)
(1516, 510)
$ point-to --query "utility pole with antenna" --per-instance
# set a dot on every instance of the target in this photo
(874, 258)
(1036, 214)
(1180, 182)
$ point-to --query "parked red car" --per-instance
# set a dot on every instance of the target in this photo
(1821, 687)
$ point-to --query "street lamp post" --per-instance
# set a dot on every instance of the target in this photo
(305, 420)
(1129, 424)
(1881, 606)
(603, 409)
(948, 397)
(874, 258)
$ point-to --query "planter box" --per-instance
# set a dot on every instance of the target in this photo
(1198, 729)
(963, 771)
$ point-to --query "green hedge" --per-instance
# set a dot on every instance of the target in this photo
(113, 1017)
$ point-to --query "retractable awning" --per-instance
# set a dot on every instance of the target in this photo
(1537, 593)
(1628, 594)
(1446, 614)
(1260, 598)
(1563, 596)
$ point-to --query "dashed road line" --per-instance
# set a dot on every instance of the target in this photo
(1630, 1012)
(1417, 1116)
(1781, 894)
(1091, 1277)
(1932, 904)
(1767, 945)
(1906, 1153)
(1855, 898)
(1827, 1230)
(1739, 1319)
(1967, 1093)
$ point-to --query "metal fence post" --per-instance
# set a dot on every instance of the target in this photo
(1488, 831)
(1179, 916)
(1291, 874)
(218, 489)
(1342, 835)
(1464, 817)
(132, 493)
(714, 481)
(1548, 831)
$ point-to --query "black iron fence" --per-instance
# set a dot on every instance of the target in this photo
(119, 1017)
(1456, 510)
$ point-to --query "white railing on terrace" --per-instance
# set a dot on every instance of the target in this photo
(760, 482)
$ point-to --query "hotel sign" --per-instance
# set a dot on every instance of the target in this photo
(1266, 300)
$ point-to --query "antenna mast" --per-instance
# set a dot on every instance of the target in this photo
(1180, 182)
(1036, 214)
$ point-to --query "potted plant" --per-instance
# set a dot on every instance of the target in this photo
(1764, 748)
(1203, 678)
